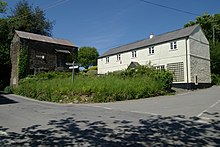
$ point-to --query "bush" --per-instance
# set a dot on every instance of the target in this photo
(93, 68)
(215, 79)
(141, 82)
(8, 89)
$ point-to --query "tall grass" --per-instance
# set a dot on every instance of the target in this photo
(114, 87)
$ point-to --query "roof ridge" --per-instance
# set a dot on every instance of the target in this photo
(39, 35)
(175, 34)
(43, 38)
(156, 36)
(178, 30)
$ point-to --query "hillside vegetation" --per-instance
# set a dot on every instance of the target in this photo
(142, 82)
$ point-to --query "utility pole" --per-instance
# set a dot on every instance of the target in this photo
(213, 28)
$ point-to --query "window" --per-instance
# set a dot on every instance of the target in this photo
(118, 57)
(161, 67)
(133, 54)
(151, 50)
(107, 60)
(173, 45)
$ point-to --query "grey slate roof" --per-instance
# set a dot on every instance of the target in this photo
(181, 33)
(41, 38)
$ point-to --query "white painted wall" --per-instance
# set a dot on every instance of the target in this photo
(196, 47)
(162, 56)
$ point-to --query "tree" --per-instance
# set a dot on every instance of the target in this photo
(215, 60)
(24, 18)
(88, 56)
(207, 22)
(2, 6)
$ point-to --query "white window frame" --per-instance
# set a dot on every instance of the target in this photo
(107, 60)
(151, 50)
(118, 57)
(134, 54)
(160, 67)
(173, 45)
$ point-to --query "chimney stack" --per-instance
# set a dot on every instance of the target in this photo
(151, 35)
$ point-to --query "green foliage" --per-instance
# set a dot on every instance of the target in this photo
(22, 63)
(91, 73)
(93, 68)
(8, 89)
(164, 77)
(214, 55)
(215, 79)
(26, 18)
(208, 21)
(4, 54)
(58, 87)
(88, 56)
(2, 6)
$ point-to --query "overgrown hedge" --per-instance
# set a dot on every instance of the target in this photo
(22, 63)
(141, 82)
(215, 79)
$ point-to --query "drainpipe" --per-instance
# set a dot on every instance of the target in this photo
(187, 72)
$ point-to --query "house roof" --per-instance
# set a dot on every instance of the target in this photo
(181, 33)
(42, 38)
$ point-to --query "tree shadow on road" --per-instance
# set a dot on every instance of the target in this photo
(154, 131)
(4, 100)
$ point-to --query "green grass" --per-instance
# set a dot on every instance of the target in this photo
(58, 87)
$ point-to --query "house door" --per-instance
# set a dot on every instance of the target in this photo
(61, 60)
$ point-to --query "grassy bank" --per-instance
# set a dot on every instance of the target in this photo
(130, 84)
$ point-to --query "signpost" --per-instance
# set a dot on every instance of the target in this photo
(72, 67)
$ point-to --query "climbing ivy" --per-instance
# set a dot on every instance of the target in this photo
(22, 63)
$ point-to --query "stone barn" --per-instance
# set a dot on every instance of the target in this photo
(32, 53)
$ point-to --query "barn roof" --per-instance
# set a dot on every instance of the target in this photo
(181, 33)
(42, 38)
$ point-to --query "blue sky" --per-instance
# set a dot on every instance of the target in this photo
(105, 24)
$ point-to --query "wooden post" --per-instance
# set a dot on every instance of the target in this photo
(73, 72)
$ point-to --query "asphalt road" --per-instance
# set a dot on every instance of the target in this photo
(186, 119)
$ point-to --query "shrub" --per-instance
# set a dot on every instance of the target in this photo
(92, 73)
(141, 82)
(93, 68)
(215, 79)
(165, 78)
(8, 89)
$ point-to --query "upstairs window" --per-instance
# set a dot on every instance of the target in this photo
(173, 45)
(118, 57)
(151, 50)
(107, 60)
(133, 54)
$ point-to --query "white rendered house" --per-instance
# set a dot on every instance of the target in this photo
(184, 52)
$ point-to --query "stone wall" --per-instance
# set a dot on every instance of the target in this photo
(14, 54)
(201, 69)
(43, 56)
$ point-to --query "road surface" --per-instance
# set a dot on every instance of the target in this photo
(187, 119)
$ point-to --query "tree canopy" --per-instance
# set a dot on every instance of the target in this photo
(207, 22)
(88, 56)
(2, 6)
(23, 17)
(26, 18)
